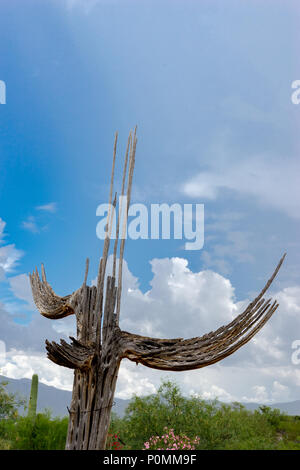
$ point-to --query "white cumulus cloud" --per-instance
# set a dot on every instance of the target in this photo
(273, 183)
(179, 303)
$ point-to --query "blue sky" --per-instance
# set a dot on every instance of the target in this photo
(208, 84)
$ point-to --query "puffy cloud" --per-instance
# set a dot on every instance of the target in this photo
(22, 364)
(9, 256)
(257, 177)
(213, 392)
(180, 303)
(275, 392)
(228, 384)
(280, 392)
(183, 303)
(273, 345)
(2, 227)
(132, 382)
(289, 298)
(260, 394)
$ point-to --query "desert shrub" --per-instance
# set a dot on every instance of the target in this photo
(273, 416)
(9, 402)
(4, 444)
(218, 426)
(39, 433)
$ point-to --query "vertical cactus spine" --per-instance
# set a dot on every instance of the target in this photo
(33, 396)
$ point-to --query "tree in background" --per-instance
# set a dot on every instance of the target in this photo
(9, 403)
(215, 424)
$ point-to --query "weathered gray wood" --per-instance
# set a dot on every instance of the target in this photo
(132, 145)
(96, 353)
(120, 213)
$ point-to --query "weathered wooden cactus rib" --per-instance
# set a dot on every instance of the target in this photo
(48, 303)
(189, 355)
(96, 353)
(74, 356)
(205, 350)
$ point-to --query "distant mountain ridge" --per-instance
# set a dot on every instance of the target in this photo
(51, 398)
(58, 400)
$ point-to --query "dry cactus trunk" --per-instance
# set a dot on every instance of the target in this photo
(100, 346)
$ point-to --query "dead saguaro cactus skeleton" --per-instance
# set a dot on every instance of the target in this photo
(96, 353)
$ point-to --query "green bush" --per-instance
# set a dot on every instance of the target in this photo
(39, 433)
(4, 444)
(9, 402)
(219, 426)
